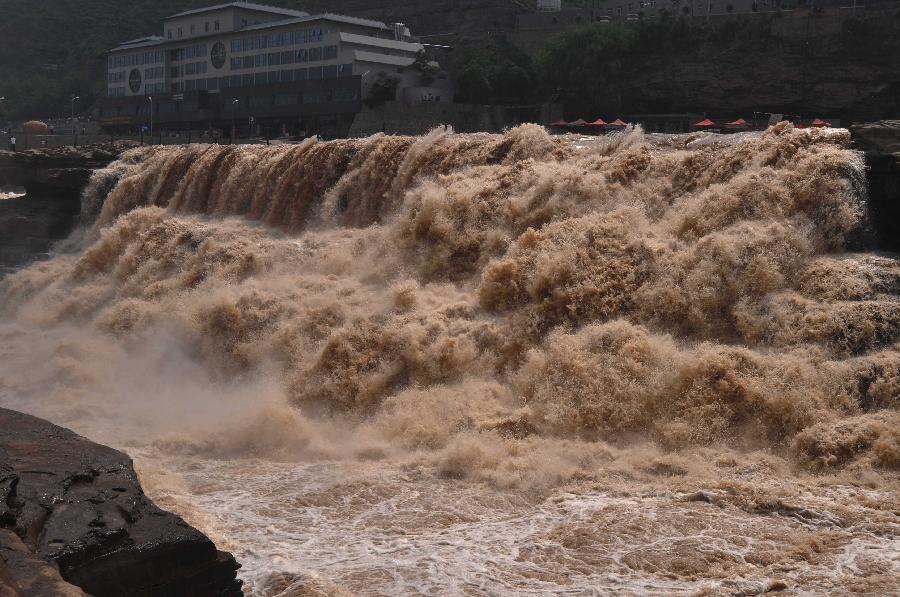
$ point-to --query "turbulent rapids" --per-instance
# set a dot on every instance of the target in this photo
(489, 364)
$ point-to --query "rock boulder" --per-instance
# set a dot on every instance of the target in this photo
(74, 520)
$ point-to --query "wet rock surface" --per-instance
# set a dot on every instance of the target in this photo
(61, 171)
(881, 142)
(52, 181)
(74, 520)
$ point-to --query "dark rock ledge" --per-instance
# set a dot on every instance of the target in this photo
(74, 521)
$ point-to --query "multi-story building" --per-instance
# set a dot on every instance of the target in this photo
(263, 70)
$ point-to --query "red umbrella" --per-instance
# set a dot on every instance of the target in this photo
(579, 122)
(598, 122)
(705, 123)
(738, 122)
(818, 123)
(560, 122)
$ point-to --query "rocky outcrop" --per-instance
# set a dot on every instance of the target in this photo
(881, 142)
(62, 172)
(53, 180)
(74, 520)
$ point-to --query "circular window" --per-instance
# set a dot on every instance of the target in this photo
(218, 55)
(134, 81)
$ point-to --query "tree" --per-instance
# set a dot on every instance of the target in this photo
(384, 89)
(428, 69)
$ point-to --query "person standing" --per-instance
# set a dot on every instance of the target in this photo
(12, 144)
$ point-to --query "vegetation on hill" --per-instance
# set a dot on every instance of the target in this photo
(845, 69)
(53, 49)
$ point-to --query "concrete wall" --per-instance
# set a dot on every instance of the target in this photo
(399, 118)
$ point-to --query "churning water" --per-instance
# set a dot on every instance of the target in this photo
(489, 364)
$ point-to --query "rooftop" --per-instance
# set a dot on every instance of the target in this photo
(327, 16)
(143, 42)
(244, 5)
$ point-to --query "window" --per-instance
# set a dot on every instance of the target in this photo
(206, 27)
(259, 60)
(237, 63)
(287, 76)
(216, 25)
(302, 55)
(169, 34)
(235, 81)
(345, 70)
(190, 85)
(287, 58)
(345, 95)
(315, 97)
(180, 33)
(192, 29)
(195, 68)
(116, 91)
(248, 61)
(260, 79)
(329, 72)
(315, 54)
(236, 46)
(330, 52)
(286, 99)
(156, 72)
(117, 77)
(300, 37)
(275, 59)
(274, 77)
(247, 81)
(301, 74)
(315, 73)
(224, 83)
(212, 84)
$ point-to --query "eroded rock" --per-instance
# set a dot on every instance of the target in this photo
(78, 508)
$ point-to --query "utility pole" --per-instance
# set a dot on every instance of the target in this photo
(75, 98)
(234, 104)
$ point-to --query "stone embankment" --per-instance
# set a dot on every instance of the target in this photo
(74, 521)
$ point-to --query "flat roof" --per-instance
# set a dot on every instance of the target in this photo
(155, 40)
(382, 43)
(245, 6)
(139, 43)
(328, 16)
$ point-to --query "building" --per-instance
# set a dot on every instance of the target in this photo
(263, 70)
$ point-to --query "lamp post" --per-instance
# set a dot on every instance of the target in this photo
(75, 98)
(2, 101)
(150, 97)
(234, 104)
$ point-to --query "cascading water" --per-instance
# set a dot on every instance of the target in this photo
(489, 364)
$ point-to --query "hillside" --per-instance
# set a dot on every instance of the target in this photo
(790, 63)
